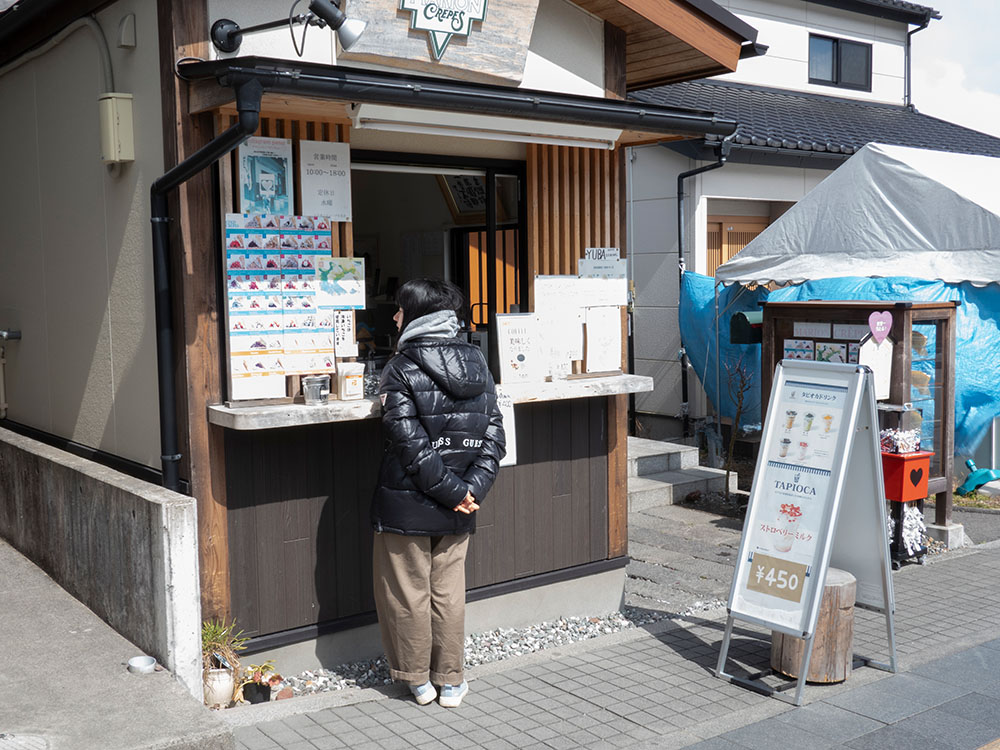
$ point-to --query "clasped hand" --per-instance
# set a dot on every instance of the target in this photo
(468, 504)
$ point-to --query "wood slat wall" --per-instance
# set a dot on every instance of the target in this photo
(331, 131)
(300, 538)
(574, 201)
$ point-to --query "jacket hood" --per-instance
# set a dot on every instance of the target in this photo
(456, 367)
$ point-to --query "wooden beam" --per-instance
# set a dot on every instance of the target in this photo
(698, 31)
(617, 476)
(195, 233)
(614, 61)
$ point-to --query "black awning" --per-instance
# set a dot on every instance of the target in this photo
(366, 86)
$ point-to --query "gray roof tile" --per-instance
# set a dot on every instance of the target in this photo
(796, 121)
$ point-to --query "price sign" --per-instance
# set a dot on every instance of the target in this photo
(776, 577)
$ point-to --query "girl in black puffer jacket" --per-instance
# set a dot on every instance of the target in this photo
(444, 441)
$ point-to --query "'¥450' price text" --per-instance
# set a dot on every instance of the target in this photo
(776, 577)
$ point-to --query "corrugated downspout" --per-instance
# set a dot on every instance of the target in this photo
(248, 95)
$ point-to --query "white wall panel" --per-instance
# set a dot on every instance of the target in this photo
(663, 399)
(654, 226)
(656, 333)
(656, 278)
(566, 52)
(75, 245)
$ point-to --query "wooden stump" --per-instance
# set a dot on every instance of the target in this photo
(833, 643)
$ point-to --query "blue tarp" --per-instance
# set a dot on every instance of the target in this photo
(977, 336)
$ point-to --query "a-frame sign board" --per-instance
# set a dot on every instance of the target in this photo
(817, 501)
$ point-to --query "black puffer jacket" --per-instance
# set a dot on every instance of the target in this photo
(444, 437)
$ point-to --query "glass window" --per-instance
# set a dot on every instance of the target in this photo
(855, 64)
(821, 55)
(839, 62)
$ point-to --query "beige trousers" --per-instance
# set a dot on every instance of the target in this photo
(420, 599)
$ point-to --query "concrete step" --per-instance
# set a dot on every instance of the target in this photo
(669, 487)
(646, 457)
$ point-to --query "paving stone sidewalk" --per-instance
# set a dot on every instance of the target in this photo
(654, 688)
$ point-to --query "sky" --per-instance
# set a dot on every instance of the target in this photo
(956, 64)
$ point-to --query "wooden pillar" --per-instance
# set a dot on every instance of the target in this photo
(617, 476)
(183, 31)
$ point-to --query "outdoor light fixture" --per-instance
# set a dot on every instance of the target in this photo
(227, 35)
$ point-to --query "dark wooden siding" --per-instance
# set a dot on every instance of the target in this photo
(299, 536)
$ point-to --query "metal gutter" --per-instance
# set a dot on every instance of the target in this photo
(357, 85)
(723, 155)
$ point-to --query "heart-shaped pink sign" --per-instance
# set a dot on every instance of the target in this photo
(880, 324)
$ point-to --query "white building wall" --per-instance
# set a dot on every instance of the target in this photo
(75, 257)
(652, 206)
(785, 25)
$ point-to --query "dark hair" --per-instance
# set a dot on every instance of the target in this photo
(419, 297)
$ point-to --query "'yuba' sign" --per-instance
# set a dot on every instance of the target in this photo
(444, 18)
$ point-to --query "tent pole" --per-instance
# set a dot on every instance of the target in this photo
(718, 377)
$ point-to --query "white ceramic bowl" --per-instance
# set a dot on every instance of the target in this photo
(141, 664)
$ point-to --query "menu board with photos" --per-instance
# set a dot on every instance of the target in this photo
(275, 325)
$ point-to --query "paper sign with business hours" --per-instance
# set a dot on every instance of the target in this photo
(325, 175)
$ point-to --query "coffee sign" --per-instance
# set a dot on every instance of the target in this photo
(442, 19)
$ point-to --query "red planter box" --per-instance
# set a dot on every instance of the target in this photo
(906, 474)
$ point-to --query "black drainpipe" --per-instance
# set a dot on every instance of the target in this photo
(248, 94)
(723, 156)
(908, 84)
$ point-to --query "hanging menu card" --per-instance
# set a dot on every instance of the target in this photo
(275, 328)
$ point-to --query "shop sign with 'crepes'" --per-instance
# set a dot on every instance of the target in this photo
(442, 19)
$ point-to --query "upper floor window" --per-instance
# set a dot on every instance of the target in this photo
(839, 62)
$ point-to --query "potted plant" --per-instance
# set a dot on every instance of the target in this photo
(220, 642)
(257, 682)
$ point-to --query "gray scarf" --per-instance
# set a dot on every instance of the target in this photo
(442, 324)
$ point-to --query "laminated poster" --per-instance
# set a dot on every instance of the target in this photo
(788, 519)
(798, 349)
(275, 327)
(518, 342)
(266, 176)
(341, 283)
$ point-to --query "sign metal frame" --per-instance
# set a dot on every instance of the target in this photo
(851, 534)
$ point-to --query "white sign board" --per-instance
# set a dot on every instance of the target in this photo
(561, 303)
(602, 269)
(817, 500)
(603, 343)
(520, 349)
(325, 175)
(878, 357)
(602, 253)
(506, 404)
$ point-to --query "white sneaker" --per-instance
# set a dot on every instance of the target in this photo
(423, 694)
(451, 695)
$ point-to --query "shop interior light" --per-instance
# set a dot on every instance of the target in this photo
(484, 127)
(227, 34)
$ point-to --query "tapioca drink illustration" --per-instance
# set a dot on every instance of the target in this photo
(803, 449)
(790, 416)
(809, 416)
(827, 422)
(785, 442)
(787, 523)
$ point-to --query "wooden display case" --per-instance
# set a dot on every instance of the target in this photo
(922, 384)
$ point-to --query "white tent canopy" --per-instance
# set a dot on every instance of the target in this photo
(887, 211)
